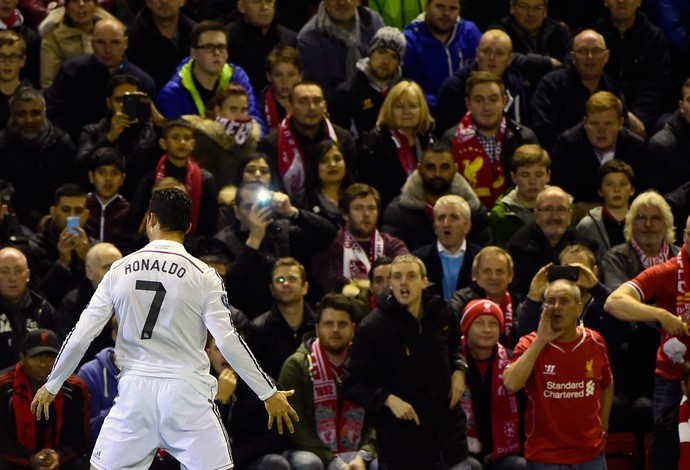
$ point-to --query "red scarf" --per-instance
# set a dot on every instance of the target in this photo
(291, 160)
(192, 183)
(271, 110)
(25, 420)
(683, 286)
(487, 180)
(507, 309)
(357, 263)
(406, 157)
(339, 427)
(504, 411)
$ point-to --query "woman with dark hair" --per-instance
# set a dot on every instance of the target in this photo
(389, 153)
(328, 173)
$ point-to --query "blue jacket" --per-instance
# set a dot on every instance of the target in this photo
(429, 62)
(179, 96)
(100, 375)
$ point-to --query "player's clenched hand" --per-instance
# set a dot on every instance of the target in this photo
(401, 409)
(41, 403)
(280, 410)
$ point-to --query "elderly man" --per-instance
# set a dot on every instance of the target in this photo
(449, 258)
(485, 139)
(409, 217)
(541, 241)
(36, 156)
(494, 54)
(406, 368)
(559, 100)
(22, 308)
(667, 284)
(492, 273)
(356, 102)
(540, 43)
(581, 150)
(334, 39)
(438, 44)
(78, 94)
(565, 371)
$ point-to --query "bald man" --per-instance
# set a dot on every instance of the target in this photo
(493, 55)
(98, 260)
(78, 94)
(21, 308)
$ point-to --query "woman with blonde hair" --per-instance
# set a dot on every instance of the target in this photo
(390, 152)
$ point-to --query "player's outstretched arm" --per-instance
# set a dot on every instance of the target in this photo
(280, 410)
(40, 406)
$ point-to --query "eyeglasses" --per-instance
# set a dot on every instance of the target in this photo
(14, 57)
(210, 48)
(526, 7)
(652, 219)
(584, 52)
(560, 210)
(284, 279)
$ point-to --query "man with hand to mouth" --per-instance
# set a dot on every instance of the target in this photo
(567, 377)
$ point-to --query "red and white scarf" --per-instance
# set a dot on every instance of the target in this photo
(25, 421)
(406, 157)
(271, 110)
(291, 160)
(504, 410)
(507, 309)
(683, 286)
(487, 180)
(239, 129)
(649, 261)
(357, 263)
(339, 427)
(192, 183)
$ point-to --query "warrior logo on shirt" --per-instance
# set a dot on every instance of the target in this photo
(550, 369)
(226, 302)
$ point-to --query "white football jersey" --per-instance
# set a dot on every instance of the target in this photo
(164, 300)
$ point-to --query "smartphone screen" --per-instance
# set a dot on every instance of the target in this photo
(72, 224)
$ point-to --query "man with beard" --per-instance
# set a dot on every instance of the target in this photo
(541, 241)
(314, 372)
(276, 334)
(358, 243)
(485, 139)
(410, 215)
(36, 156)
(438, 44)
(356, 102)
(307, 124)
(449, 258)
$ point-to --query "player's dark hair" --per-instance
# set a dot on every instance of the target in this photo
(173, 209)
(68, 190)
(336, 302)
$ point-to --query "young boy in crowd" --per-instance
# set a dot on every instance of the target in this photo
(284, 71)
(108, 209)
(530, 170)
(178, 143)
(604, 224)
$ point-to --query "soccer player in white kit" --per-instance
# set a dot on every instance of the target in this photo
(165, 300)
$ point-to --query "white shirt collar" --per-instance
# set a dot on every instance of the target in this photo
(459, 253)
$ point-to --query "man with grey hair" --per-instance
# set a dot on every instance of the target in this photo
(565, 371)
(37, 157)
(668, 285)
(541, 241)
(449, 258)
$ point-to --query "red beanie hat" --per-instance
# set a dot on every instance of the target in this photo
(480, 307)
